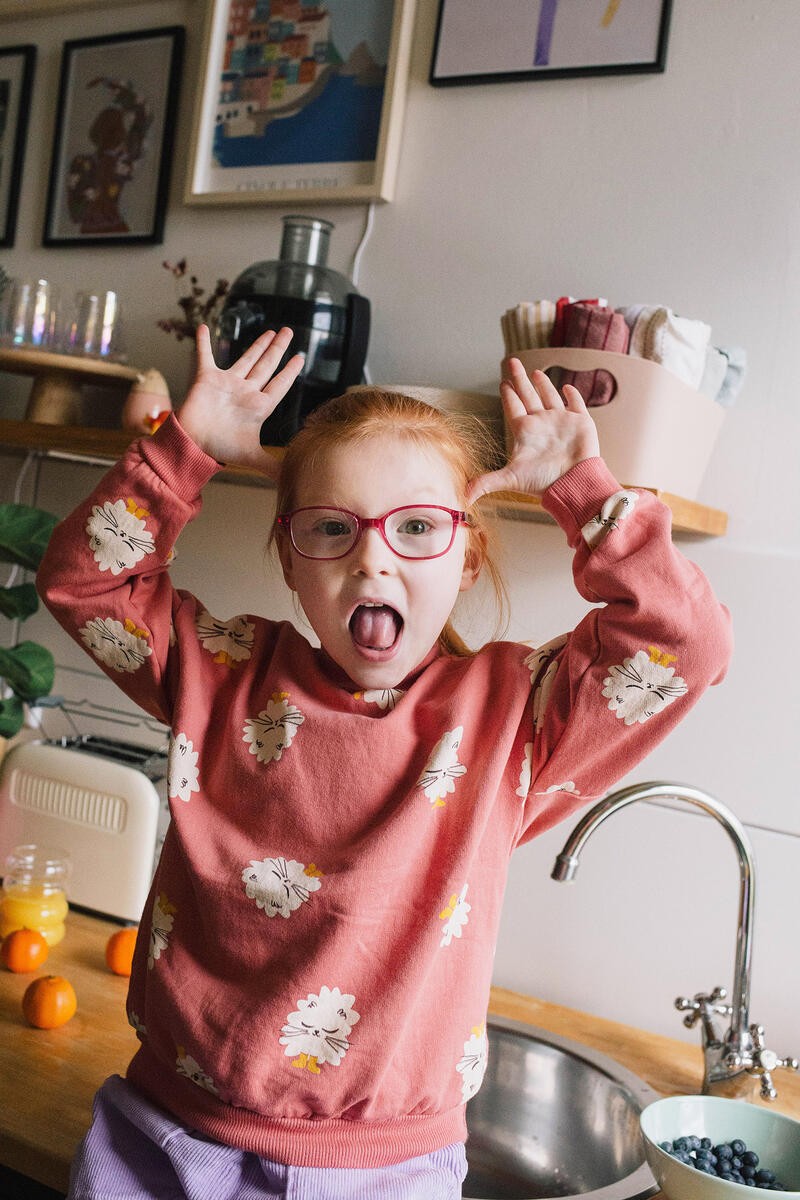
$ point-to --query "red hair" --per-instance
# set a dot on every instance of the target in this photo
(462, 442)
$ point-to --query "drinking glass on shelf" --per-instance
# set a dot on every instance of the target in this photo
(29, 314)
(93, 327)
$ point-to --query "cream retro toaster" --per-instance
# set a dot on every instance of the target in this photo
(97, 798)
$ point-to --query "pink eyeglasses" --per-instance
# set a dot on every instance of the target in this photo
(411, 531)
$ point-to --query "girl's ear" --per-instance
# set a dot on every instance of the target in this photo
(473, 559)
(285, 555)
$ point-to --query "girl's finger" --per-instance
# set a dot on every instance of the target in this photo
(573, 399)
(250, 357)
(547, 391)
(265, 366)
(523, 386)
(510, 399)
(278, 385)
(205, 355)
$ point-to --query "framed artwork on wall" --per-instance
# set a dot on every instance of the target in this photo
(36, 8)
(483, 41)
(112, 147)
(17, 64)
(305, 104)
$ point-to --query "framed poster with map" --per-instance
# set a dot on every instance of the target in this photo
(300, 100)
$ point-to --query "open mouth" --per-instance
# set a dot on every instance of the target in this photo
(375, 626)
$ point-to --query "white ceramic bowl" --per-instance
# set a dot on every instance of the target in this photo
(774, 1137)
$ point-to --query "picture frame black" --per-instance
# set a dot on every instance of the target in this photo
(491, 41)
(17, 67)
(113, 138)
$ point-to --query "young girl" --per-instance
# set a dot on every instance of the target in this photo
(312, 976)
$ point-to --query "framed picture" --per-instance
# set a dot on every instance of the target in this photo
(485, 41)
(16, 80)
(35, 8)
(305, 103)
(112, 148)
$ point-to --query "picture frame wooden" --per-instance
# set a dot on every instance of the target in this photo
(307, 108)
(113, 139)
(483, 41)
(17, 66)
(38, 8)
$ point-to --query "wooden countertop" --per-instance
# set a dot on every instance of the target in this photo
(56, 1072)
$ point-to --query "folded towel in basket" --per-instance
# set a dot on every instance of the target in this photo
(594, 328)
(677, 343)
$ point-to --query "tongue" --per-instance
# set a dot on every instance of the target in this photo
(374, 628)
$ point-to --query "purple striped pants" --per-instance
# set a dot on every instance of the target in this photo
(134, 1151)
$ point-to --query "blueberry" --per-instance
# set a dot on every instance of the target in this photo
(723, 1150)
(705, 1143)
(682, 1143)
(738, 1147)
(667, 1146)
(763, 1175)
(750, 1158)
(748, 1171)
(736, 1162)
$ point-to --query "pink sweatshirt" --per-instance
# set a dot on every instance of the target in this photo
(312, 975)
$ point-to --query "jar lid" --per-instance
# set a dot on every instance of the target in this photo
(42, 864)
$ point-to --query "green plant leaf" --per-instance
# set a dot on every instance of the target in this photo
(12, 714)
(18, 602)
(28, 669)
(24, 534)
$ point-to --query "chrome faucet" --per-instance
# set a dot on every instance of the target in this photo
(740, 1053)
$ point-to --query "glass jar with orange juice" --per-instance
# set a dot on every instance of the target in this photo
(34, 891)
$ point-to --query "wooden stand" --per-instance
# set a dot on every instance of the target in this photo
(56, 395)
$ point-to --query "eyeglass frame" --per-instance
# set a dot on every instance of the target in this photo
(284, 521)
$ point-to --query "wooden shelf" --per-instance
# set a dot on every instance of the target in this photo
(109, 444)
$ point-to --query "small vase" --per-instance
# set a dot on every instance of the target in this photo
(147, 403)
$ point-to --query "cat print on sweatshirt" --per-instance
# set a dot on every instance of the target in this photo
(643, 686)
(190, 1067)
(280, 885)
(160, 928)
(443, 768)
(472, 1064)
(385, 698)
(615, 509)
(455, 915)
(230, 642)
(182, 773)
(273, 730)
(120, 646)
(318, 1032)
(118, 535)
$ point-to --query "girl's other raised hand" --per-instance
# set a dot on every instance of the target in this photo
(550, 435)
(224, 409)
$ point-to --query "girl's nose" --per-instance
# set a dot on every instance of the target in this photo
(371, 555)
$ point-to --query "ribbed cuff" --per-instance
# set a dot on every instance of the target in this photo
(179, 461)
(580, 494)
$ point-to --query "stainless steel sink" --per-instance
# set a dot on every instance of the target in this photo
(554, 1118)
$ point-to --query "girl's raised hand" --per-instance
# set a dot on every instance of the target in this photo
(550, 435)
(224, 409)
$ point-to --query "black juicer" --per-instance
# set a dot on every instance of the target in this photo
(329, 317)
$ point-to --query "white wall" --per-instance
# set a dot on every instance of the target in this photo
(679, 189)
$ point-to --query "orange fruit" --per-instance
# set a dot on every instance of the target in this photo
(49, 1001)
(119, 951)
(24, 950)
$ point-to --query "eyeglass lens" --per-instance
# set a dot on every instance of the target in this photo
(413, 532)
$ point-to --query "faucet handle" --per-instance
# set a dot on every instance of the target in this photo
(703, 1007)
(766, 1061)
